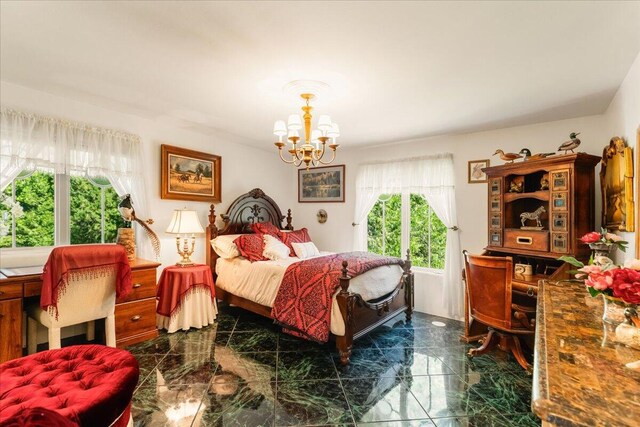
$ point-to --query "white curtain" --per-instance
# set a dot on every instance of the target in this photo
(431, 176)
(29, 141)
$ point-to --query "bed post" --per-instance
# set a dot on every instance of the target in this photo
(408, 281)
(288, 226)
(346, 302)
(211, 233)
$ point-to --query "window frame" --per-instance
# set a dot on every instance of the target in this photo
(405, 230)
(61, 212)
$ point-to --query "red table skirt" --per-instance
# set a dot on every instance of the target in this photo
(176, 281)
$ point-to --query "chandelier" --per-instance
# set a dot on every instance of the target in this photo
(311, 150)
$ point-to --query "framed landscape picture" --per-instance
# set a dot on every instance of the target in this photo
(190, 175)
(324, 184)
(475, 174)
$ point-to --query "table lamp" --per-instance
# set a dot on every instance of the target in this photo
(185, 222)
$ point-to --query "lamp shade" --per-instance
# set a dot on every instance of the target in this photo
(295, 123)
(334, 132)
(185, 221)
(279, 128)
(324, 123)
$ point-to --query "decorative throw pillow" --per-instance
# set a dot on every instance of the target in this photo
(224, 246)
(297, 236)
(251, 246)
(274, 249)
(266, 228)
(305, 250)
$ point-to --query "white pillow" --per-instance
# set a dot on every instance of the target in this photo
(224, 246)
(305, 250)
(274, 249)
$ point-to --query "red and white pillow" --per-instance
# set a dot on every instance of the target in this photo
(266, 228)
(251, 246)
(296, 236)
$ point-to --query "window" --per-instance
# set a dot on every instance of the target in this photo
(398, 215)
(60, 209)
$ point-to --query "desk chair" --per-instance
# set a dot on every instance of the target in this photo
(90, 276)
(488, 282)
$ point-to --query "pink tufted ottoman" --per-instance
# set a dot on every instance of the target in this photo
(91, 385)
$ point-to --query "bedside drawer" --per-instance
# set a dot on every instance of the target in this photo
(11, 291)
(136, 317)
(144, 286)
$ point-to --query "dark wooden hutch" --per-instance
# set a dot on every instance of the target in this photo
(564, 186)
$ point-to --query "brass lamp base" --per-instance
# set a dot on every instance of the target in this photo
(185, 252)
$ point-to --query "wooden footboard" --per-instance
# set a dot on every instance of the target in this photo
(360, 317)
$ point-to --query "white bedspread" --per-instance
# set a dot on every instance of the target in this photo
(259, 282)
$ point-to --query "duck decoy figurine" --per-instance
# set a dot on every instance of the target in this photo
(507, 157)
(526, 153)
(128, 213)
(571, 144)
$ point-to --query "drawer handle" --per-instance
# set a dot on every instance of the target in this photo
(136, 318)
(137, 285)
(530, 291)
(524, 240)
(1, 292)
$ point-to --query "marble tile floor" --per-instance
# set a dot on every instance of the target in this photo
(242, 371)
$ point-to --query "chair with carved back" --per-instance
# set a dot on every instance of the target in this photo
(488, 283)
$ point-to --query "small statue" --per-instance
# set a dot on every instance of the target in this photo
(535, 215)
(544, 182)
(571, 144)
(128, 213)
(516, 186)
(507, 157)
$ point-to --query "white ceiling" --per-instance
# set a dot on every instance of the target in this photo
(398, 70)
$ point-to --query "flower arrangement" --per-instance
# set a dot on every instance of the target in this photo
(8, 207)
(604, 238)
(601, 276)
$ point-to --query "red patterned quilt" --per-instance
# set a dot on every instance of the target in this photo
(303, 302)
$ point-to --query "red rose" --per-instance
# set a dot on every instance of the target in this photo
(592, 237)
(626, 285)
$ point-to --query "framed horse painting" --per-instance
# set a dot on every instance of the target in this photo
(190, 175)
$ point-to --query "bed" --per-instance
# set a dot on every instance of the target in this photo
(360, 304)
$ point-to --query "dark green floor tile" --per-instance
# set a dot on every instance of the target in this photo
(160, 345)
(259, 366)
(263, 340)
(447, 396)
(408, 423)
(523, 420)
(419, 361)
(147, 364)
(167, 406)
(254, 322)
(226, 322)
(366, 364)
(393, 338)
(233, 401)
(305, 365)
(288, 342)
(313, 402)
(505, 392)
(381, 399)
(471, 421)
(204, 341)
(177, 369)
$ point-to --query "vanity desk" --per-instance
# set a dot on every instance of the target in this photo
(135, 312)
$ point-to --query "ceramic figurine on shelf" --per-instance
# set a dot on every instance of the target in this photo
(544, 182)
(571, 144)
(516, 185)
(507, 157)
(527, 156)
(535, 215)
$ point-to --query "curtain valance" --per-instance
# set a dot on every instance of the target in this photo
(29, 141)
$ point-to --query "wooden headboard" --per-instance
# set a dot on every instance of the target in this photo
(250, 208)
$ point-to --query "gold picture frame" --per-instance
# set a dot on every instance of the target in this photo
(190, 175)
(616, 181)
(637, 171)
(475, 174)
